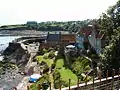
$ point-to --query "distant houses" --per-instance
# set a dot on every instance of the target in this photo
(58, 39)
(86, 38)
(67, 39)
(93, 38)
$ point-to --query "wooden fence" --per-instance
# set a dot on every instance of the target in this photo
(107, 83)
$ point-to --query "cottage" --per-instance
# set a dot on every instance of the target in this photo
(68, 39)
(53, 39)
(91, 37)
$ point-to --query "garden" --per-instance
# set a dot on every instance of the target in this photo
(57, 72)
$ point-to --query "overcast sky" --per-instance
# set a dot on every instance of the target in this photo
(21, 11)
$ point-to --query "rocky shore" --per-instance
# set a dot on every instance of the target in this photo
(12, 66)
(10, 77)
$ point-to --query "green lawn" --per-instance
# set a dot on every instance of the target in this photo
(59, 63)
(67, 74)
(48, 61)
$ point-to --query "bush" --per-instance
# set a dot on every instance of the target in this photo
(43, 51)
(45, 56)
(56, 77)
(50, 49)
(43, 81)
(51, 54)
(94, 56)
(46, 68)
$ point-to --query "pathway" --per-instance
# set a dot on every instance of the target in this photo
(29, 67)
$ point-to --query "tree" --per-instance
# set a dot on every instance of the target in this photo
(110, 56)
(32, 25)
(109, 23)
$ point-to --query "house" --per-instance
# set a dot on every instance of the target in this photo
(53, 39)
(79, 41)
(92, 38)
(44, 45)
(82, 38)
(68, 39)
(57, 39)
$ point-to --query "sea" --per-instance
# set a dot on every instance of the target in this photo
(4, 42)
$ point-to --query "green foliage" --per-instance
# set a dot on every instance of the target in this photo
(109, 23)
(62, 76)
(48, 61)
(110, 56)
(56, 77)
(81, 65)
(41, 81)
(32, 25)
(71, 26)
(51, 54)
(67, 74)
(39, 58)
(45, 56)
(59, 63)
(43, 51)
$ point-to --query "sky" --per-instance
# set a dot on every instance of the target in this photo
(21, 11)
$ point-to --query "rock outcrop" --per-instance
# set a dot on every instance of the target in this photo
(14, 53)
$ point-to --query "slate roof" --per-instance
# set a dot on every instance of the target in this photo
(53, 37)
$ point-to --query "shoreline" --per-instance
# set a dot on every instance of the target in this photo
(10, 78)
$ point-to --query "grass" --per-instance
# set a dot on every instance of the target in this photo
(48, 61)
(59, 63)
(67, 74)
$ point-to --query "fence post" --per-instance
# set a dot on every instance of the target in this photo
(39, 86)
(60, 86)
(50, 86)
(100, 78)
(113, 73)
(78, 84)
(118, 78)
(86, 83)
(69, 83)
(106, 80)
(93, 81)
(28, 88)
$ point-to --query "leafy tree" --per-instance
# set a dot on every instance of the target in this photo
(109, 23)
(81, 65)
(110, 56)
(32, 25)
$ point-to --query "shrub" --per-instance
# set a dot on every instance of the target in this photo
(50, 49)
(56, 77)
(43, 81)
(43, 51)
(45, 56)
(51, 54)
(46, 68)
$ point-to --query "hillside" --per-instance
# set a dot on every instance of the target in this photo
(71, 26)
